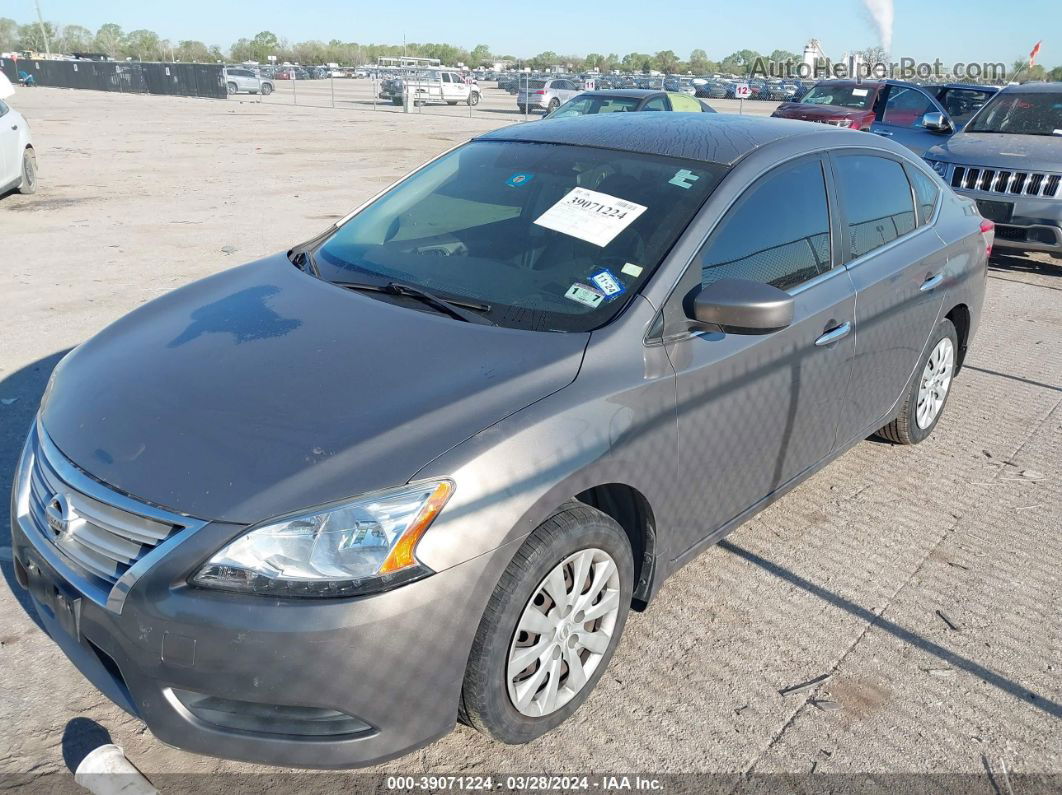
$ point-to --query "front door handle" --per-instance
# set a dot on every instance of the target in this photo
(931, 282)
(834, 334)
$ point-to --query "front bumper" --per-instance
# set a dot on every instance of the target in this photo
(393, 661)
(1033, 224)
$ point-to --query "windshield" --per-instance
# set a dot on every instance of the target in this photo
(580, 106)
(551, 237)
(1020, 114)
(841, 96)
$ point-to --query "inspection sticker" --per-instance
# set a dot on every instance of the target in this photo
(632, 270)
(584, 294)
(591, 216)
(606, 282)
(517, 180)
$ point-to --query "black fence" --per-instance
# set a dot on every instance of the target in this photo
(132, 77)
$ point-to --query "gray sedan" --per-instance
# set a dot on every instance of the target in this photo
(313, 510)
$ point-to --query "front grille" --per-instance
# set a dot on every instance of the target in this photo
(98, 539)
(1006, 182)
(102, 540)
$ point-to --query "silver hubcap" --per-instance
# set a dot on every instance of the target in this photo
(563, 633)
(936, 379)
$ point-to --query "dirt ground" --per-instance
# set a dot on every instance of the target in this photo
(847, 576)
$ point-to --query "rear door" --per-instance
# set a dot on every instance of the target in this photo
(897, 264)
(900, 117)
(754, 411)
(10, 156)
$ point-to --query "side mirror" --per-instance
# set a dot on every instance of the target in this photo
(936, 122)
(743, 307)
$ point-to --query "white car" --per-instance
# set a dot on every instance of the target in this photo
(18, 161)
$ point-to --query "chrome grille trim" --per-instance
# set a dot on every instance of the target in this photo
(108, 539)
(1037, 184)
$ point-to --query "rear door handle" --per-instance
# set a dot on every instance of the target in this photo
(886, 133)
(931, 282)
(834, 334)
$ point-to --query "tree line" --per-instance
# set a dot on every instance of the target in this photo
(146, 45)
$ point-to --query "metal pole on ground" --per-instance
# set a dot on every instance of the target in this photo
(294, 93)
(332, 85)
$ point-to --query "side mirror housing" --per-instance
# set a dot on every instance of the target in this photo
(743, 307)
(936, 122)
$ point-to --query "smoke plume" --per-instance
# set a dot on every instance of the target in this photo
(881, 14)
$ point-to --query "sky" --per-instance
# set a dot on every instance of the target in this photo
(952, 30)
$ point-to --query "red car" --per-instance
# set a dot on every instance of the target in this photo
(843, 103)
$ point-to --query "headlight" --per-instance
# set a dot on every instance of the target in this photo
(938, 166)
(360, 546)
(840, 122)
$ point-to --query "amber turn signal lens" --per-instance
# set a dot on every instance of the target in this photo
(401, 554)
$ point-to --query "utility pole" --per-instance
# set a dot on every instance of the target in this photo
(44, 33)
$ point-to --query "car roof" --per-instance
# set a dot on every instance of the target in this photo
(636, 93)
(722, 138)
(1033, 88)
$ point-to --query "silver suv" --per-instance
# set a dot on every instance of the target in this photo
(239, 80)
(544, 94)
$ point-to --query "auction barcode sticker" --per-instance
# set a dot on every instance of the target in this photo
(591, 216)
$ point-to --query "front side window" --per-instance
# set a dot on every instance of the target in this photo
(551, 237)
(778, 233)
(905, 107)
(1030, 113)
(877, 201)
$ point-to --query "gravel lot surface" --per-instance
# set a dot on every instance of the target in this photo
(847, 576)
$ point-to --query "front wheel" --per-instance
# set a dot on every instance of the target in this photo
(550, 627)
(29, 173)
(928, 392)
(230, 88)
(473, 98)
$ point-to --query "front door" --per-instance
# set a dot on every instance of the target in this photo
(897, 265)
(10, 154)
(900, 118)
(754, 411)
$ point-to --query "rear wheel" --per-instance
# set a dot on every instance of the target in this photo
(266, 89)
(553, 105)
(550, 627)
(29, 172)
(522, 108)
(928, 391)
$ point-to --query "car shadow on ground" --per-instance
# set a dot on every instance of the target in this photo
(1017, 263)
(23, 389)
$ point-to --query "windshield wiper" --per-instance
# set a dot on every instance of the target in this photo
(304, 260)
(455, 307)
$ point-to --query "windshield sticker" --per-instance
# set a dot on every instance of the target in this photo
(518, 180)
(606, 282)
(630, 269)
(860, 92)
(684, 178)
(591, 216)
(584, 294)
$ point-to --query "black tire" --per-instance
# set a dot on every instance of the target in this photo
(231, 88)
(473, 98)
(267, 89)
(553, 105)
(904, 429)
(485, 702)
(522, 108)
(396, 101)
(29, 172)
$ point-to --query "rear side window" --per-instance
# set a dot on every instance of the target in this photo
(684, 103)
(778, 233)
(656, 103)
(877, 201)
(926, 193)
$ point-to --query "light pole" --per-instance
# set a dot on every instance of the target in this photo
(44, 33)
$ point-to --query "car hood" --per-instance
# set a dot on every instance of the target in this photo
(809, 112)
(262, 390)
(1024, 152)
